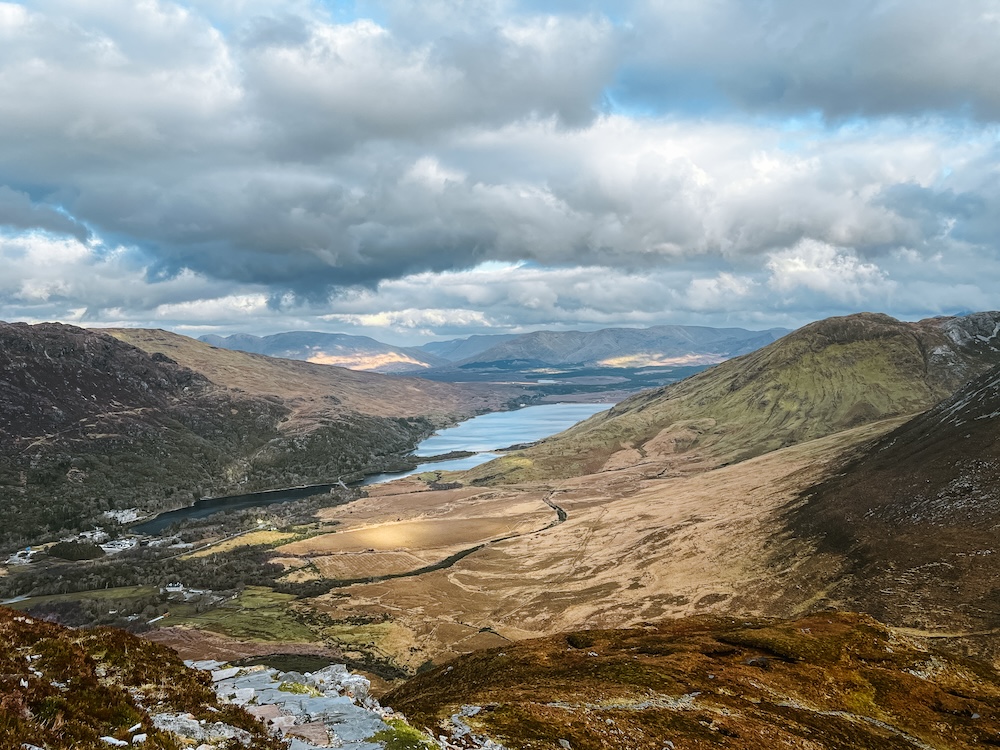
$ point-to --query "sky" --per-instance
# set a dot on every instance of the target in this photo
(428, 170)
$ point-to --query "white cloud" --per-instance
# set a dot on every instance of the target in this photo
(718, 292)
(834, 272)
(252, 162)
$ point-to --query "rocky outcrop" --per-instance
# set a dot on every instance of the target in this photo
(328, 708)
(96, 689)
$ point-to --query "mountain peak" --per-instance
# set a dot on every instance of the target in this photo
(827, 376)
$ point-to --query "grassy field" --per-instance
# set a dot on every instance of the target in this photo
(353, 566)
(116, 594)
(258, 614)
(244, 540)
(416, 535)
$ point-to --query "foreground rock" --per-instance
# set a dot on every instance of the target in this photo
(104, 688)
(327, 708)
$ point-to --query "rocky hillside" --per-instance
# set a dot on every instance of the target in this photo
(340, 349)
(104, 688)
(64, 689)
(99, 425)
(825, 377)
(833, 681)
(910, 524)
(627, 347)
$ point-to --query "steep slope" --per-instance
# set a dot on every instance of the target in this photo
(316, 389)
(340, 349)
(96, 689)
(833, 681)
(911, 523)
(628, 347)
(827, 376)
(89, 423)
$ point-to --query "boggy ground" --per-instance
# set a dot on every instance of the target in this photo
(833, 681)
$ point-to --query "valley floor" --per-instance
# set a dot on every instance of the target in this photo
(669, 536)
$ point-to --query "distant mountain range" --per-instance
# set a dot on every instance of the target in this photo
(458, 350)
(659, 346)
(340, 349)
(631, 348)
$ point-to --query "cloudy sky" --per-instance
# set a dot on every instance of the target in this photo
(417, 170)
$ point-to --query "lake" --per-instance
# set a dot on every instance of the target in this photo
(490, 432)
(482, 435)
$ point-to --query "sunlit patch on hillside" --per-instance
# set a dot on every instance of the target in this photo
(371, 362)
(652, 359)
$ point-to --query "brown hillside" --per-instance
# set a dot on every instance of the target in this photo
(311, 389)
(832, 681)
(90, 423)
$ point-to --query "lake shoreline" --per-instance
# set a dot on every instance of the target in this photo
(481, 431)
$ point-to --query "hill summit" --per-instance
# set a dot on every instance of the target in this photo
(828, 376)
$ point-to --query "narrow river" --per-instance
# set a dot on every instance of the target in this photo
(482, 435)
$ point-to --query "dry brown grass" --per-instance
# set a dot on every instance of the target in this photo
(835, 681)
(636, 546)
(309, 387)
(399, 529)
(410, 535)
(351, 566)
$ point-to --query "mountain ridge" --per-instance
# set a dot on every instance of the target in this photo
(656, 346)
(102, 424)
(909, 522)
(458, 349)
(827, 376)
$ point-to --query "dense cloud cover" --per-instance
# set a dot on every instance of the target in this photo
(445, 167)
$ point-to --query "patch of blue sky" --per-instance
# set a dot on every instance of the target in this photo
(498, 266)
(617, 12)
(652, 93)
(349, 11)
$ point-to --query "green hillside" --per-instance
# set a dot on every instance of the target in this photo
(828, 376)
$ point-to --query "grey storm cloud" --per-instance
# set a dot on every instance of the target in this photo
(18, 211)
(267, 144)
